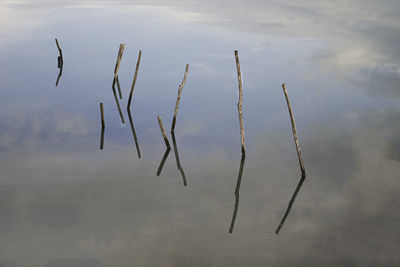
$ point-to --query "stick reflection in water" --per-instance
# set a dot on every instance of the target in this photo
(134, 132)
(237, 189)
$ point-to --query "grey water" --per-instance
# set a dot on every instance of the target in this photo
(66, 202)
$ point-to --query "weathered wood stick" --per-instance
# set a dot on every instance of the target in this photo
(134, 133)
(102, 126)
(102, 114)
(239, 105)
(60, 62)
(163, 132)
(60, 51)
(178, 99)
(117, 64)
(295, 137)
(134, 78)
(237, 189)
(303, 171)
(178, 162)
(163, 161)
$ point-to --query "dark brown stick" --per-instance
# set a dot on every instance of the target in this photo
(163, 132)
(239, 105)
(179, 98)
(60, 62)
(116, 69)
(237, 189)
(102, 126)
(134, 78)
(134, 133)
(60, 51)
(178, 162)
(303, 171)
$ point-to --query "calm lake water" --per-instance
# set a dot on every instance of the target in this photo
(65, 202)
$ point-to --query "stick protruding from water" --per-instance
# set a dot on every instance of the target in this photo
(134, 79)
(303, 171)
(239, 105)
(163, 132)
(178, 99)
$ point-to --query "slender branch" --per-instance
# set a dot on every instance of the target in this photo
(295, 137)
(239, 105)
(178, 162)
(237, 189)
(163, 132)
(179, 98)
(117, 65)
(61, 59)
(134, 78)
(302, 169)
(134, 133)
(102, 126)
(164, 158)
(60, 62)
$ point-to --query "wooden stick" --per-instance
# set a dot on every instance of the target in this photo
(179, 98)
(163, 161)
(60, 51)
(178, 162)
(239, 105)
(134, 133)
(118, 106)
(237, 189)
(302, 169)
(102, 126)
(60, 62)
(163, 132)
(295, 137)
(134, 78)
(117, 64)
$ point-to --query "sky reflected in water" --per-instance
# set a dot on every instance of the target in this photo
(65, 202)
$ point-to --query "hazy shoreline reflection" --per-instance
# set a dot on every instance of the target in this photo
(237, 189)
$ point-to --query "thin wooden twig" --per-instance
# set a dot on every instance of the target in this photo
(163, 132)
(237, 189)
(60, 63)
(116, 69)
(61, 59)
(179, 98)
(303, 171)
(102, 126)
(164, 158)
(178, 162)
(134, 133)
(134, 79)
(239, 105)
